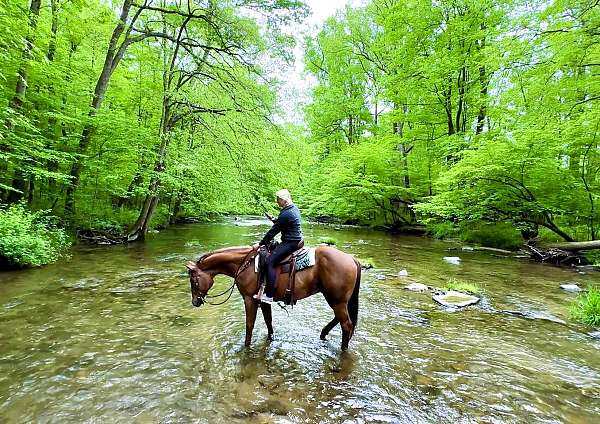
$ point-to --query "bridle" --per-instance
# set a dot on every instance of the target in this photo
(245, 263)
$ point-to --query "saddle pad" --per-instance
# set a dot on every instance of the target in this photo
(305, 262)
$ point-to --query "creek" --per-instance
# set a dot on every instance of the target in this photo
(109, 335)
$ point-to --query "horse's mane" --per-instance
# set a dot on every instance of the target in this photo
(233, 249)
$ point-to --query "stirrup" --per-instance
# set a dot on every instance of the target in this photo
(265, 299)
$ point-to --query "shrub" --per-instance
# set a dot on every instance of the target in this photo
(443, 230)
(367, 262)
(593, 256)
(463, 286)
(586, 308)
(29, 238)
(500, 235)
(105, 220)
(328, 240)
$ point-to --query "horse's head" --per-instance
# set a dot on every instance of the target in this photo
(200, 283)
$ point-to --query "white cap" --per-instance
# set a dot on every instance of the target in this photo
(284, 194)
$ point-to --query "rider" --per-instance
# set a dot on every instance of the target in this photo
(288, 223)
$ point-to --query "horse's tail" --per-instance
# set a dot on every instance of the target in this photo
(353, 302)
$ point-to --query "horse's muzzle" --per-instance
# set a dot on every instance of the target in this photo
(198, 301)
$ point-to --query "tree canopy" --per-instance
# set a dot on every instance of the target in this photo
(456, 114)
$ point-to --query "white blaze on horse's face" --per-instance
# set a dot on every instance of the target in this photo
(200, 283)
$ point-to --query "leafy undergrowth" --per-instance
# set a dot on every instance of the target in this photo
(29, 238)
(586, 308)
(328, 240)
(367, 263)
(463, 286)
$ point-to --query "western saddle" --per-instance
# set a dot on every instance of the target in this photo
(286, 266)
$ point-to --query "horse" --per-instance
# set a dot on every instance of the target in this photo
(335, 274)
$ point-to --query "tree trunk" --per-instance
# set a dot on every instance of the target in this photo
(53, 30)
(483, 90)
(140, 228)
(16, 103)
(112, 59)
(350, 130)
(461, 81)
(135, 182)
(177, 206)
(21, 88)
(552, 227)
(448, 106)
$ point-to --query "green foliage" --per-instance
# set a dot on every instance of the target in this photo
(195, 137)
(328, 240)
(463, 286)
(593, 256)
(501, 236)
(107, 220)
(359, 183)
(29, 238)
(423, 113)
(586, 308)
(367, 262)
(468, 124)
(443, 230)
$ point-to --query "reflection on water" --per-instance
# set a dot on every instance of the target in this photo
(110, 336)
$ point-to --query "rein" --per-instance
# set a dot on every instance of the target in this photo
(245, 263)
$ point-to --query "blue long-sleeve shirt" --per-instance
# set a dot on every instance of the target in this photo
(288, 223)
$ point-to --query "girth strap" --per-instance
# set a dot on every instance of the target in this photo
(290, 292)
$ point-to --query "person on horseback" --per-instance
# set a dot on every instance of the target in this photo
(288, 223)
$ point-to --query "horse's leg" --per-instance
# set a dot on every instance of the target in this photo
(266, 311)
(251, 309)
(325, 331)
(341, 314)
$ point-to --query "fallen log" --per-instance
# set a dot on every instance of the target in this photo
(482, 249)
(100, 238)
(572, 246)
(555, 256)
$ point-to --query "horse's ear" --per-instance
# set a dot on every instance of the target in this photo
(191, 266)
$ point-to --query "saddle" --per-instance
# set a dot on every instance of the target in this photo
(288, 265)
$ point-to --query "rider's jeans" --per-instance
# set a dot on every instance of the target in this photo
(285, 248)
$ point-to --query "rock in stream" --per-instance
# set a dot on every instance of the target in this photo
(454, 299)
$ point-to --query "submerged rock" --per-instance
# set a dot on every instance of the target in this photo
(270, 382)
(570, 287)
(403, 273)
(454, 299)
(534, 315)
(418, 287)
(454, 260)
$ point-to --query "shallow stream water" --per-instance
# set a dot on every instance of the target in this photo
(109, 335)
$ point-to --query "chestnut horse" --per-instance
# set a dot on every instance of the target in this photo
(336, 274)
